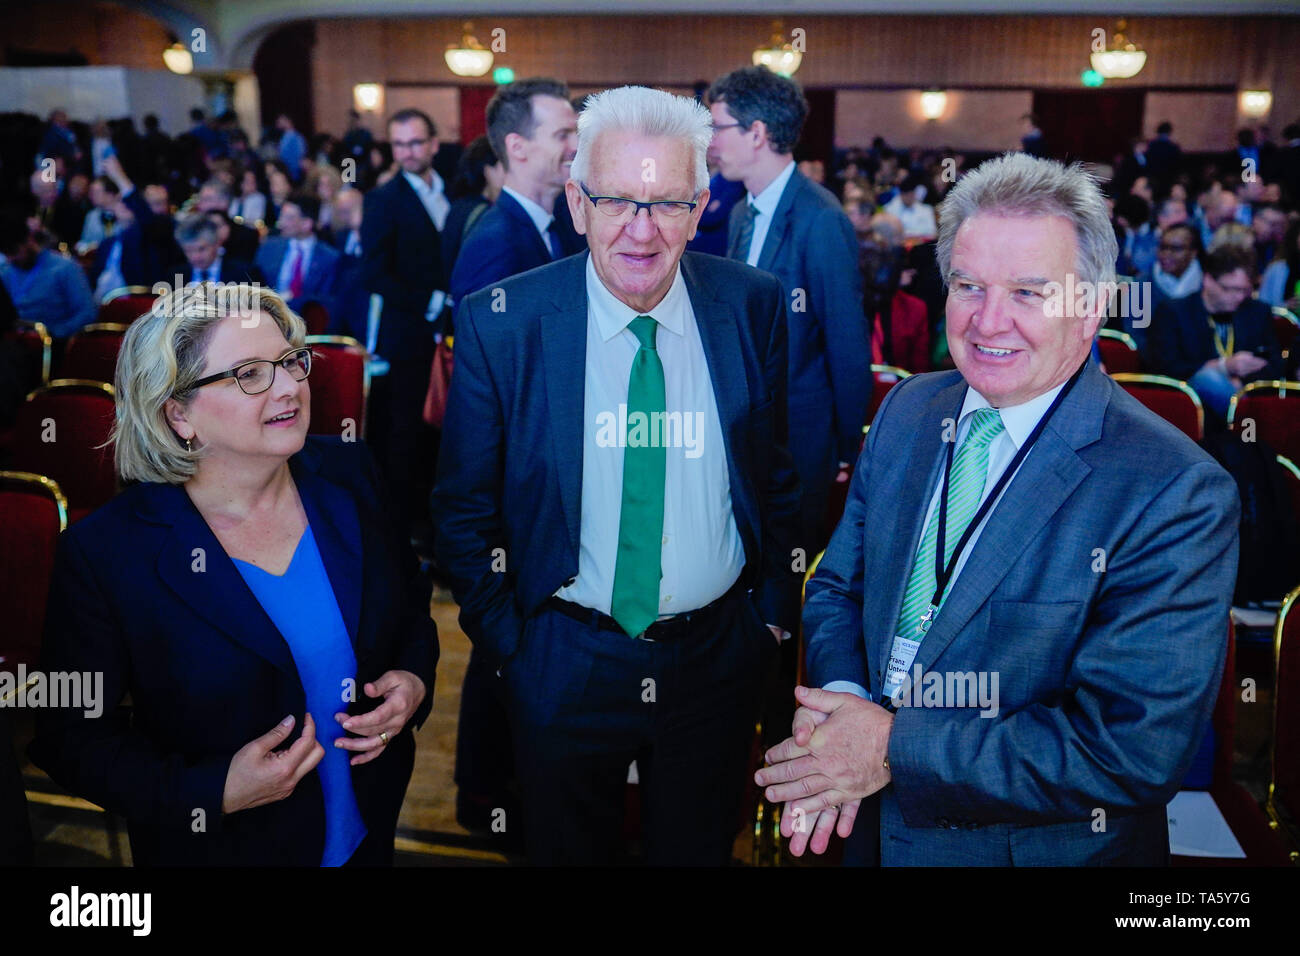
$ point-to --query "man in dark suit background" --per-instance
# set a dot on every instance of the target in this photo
(1050, 706)
(1219, 338)
(627, 583)
(533, 130)
(534, 133)
(795, 229)
(242, 241)
(402, 261)
(789, 226)
(299, 266)
(205, 260)
(351, 310)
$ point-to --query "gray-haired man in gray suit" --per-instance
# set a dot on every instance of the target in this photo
(1018, 628)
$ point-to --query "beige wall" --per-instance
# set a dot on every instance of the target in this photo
(1203, 122)
(972, 119)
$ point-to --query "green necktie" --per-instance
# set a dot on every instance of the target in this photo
(966, 487)
(635, 603)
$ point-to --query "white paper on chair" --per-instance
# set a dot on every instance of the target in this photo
(1197, 827)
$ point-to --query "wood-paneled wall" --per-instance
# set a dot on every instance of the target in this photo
(993, 54)
(107, 34)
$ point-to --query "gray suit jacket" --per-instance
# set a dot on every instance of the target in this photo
(1107, 672)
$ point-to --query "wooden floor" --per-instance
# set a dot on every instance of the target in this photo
(69, 831)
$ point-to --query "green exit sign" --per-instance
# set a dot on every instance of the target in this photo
(503, 75)
(1091, 78)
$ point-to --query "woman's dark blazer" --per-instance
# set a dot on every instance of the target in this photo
(144, 593)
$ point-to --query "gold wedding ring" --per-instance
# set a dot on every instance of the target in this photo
(383, 735)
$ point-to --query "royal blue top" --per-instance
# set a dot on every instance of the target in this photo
(301, 604)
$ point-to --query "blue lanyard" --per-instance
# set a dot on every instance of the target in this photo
(942, 575)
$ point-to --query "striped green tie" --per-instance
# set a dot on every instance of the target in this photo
(966, 487)
(635, 602)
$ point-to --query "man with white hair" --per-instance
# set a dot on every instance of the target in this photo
(1017, 632)
(615, 502)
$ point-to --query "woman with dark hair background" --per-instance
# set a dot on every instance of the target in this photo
(477, 184)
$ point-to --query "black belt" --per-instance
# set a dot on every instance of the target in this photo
(669, 629)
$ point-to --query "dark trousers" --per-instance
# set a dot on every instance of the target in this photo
(484, 756)
(584, 703)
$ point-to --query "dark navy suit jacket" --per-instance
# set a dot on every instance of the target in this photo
(504, 242)
(1097, 594)
(144, 593)
(318, 284)
(1180, 339)
(810, 246)
(510, 466)
(401, 259)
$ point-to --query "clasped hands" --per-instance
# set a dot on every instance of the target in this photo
(834, 759)
(261, 774)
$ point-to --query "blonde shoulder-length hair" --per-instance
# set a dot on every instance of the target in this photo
(162, 356)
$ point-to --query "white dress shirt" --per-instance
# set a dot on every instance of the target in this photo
(917, 219)
(297, 247)
(765, 203)
(1018, 422)
(702, 554)
(436, 204)
(251, 207)
(541, 218)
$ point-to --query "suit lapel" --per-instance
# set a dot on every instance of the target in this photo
(904, 518)
(719, 327)
(776, 232)
(194, 565)
(515, 210)
(337, 528)
(1048, 476)
(563, 336)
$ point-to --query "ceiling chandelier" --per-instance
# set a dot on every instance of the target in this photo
(778, 56)
(1122, 58)
(469, 58)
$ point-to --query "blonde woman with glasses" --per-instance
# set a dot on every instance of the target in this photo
(250, 593)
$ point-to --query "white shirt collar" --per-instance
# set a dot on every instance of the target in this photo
(767, 200)
(540, 217)
(1018, 420)
(420, 186)
(613, 316)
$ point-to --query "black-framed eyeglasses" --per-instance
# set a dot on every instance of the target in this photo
(718, 129)
(625, 210)
(256, 376)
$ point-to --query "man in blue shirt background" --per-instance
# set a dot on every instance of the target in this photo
(45, 286)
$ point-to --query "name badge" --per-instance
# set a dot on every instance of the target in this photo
(901, 656)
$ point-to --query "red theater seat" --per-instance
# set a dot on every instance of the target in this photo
(1118, 352)
(340, 385)
(32, 512)
(1274, 407)
(1287, 329)
(1284, 788)
(1172, 400)
(316, 317)
(1242, 813)
(58, 433)
(92, 352)
(38, 344)
(123, 306)
(884, 378)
